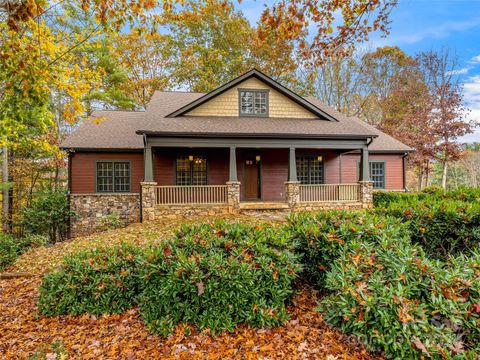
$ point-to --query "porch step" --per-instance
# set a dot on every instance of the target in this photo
(263, 206)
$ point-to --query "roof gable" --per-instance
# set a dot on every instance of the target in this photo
(223, 101)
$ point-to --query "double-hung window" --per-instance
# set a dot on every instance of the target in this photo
(191, 170)
(377, 173)
(253, 102)
(113, 176)
(310, 169)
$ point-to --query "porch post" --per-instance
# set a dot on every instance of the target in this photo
(233, 164)
(292, 166)
(233, 185)
(292, 185)
(148, 164)
(364, 166)
(366, 186)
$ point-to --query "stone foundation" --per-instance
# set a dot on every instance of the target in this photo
(174, 211)
(91, 208)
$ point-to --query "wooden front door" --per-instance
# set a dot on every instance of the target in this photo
(251, 179)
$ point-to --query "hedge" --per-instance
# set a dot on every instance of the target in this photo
(442, 227)
(400, 303)
(217, 276)
(321, 236)
(101, 281)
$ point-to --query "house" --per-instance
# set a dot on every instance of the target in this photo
(249, 144)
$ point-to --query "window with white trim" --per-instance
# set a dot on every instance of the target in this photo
(253, 103)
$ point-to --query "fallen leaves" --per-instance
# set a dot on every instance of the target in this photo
(124, 336)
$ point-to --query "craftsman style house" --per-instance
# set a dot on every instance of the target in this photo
(249, 144)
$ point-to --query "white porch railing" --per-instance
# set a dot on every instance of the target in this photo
(187, 195)
(329, 193)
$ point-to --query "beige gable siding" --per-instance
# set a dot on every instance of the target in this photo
(226, 104)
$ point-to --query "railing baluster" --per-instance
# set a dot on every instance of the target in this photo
(329, 193)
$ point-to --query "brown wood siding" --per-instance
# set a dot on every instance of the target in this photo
(83, 169)
(393, 169)
(274, 173)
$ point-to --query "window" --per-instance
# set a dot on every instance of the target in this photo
(253, 103)
(310, 169)
(191, 170)
(377, 173)
(113, 176)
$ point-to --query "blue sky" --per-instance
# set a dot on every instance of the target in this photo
(419, 25)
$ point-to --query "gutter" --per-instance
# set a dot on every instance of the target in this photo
(253, 135)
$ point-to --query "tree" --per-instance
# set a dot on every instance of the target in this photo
(448, 109)
(210, 41)
(147, 60)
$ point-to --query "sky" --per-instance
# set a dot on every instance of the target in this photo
(422, 25)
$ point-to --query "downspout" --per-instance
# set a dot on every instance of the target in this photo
(404, 157)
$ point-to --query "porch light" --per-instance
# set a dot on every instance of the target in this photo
(257, 158)
(320, 158)
(190, 157)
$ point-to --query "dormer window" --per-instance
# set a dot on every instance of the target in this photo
(253, 102)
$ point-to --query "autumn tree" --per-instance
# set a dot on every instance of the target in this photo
(210, 41)
(147, 59)
(448, 112)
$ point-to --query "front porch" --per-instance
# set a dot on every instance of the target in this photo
(206, 178)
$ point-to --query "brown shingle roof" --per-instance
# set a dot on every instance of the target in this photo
(118, 129)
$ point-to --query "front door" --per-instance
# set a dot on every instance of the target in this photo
(252, 179)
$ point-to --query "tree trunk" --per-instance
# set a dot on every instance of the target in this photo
(444, 174)
(427, 173)
(5, 192)
(420, 179)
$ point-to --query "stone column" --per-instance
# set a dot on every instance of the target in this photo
(233, 194)
(292, 193)
(366, 194)
(148, 200)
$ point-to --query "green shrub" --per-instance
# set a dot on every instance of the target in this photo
(48, 215)
(429, 194)
(321, 236)
(111, 221)
(397, 301)
(442, 227)
(12, 247)
(218, 275)
(102, 281)
(9, 250)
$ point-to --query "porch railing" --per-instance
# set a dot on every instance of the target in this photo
(329, 193)
(195, 194)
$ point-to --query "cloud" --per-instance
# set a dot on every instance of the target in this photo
(474, 60)
(461, 71)
(471, 89)
(436, 32)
